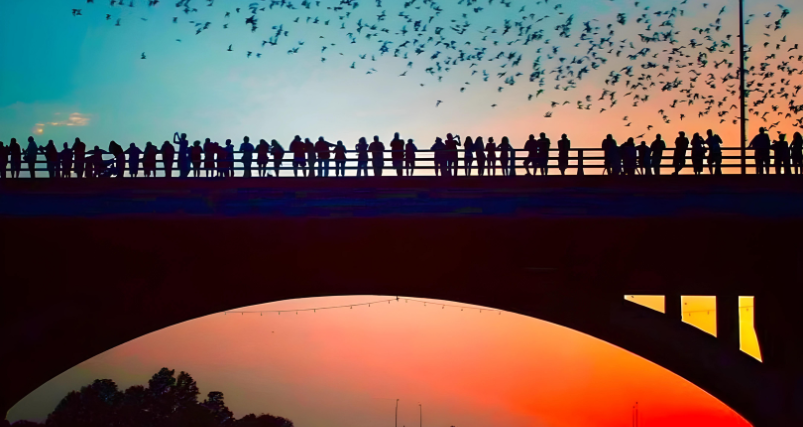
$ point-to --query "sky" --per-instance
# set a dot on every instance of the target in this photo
(346, 367)
(63, 76)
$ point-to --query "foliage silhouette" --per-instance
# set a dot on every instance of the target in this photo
(167, 401)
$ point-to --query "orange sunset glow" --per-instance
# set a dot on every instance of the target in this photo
(347, 367)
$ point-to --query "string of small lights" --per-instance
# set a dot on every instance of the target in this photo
(351, 306)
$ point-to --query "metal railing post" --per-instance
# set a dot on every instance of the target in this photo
(580, 162)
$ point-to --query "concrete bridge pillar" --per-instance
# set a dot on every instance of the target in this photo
(673, 307)
(728, 331)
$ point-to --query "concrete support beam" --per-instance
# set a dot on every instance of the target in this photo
(728, 320)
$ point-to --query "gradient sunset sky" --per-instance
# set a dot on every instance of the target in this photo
(346, 367)
(63, 76)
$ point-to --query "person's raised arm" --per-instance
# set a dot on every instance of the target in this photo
(175, 135)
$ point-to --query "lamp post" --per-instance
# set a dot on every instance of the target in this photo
(742, 94)
(396, 424)
(420, 416)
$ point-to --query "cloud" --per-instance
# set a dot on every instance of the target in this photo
(75, 119)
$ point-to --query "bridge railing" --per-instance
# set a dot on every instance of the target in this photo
(578, 161)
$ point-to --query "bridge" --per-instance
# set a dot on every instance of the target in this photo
(90, 264)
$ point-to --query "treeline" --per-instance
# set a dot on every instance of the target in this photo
(167, 401)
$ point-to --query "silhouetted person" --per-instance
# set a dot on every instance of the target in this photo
(681, 146)
(490, 148)
(3, 159)
(479, 151)
(209, 157)
(714, 143)
(377, 149)
(409, 156)
(504, 155)
(65, 157)
(31, 152)
(52, 159)
(278, 154)
(781, 151)
(362, 157)
(96, 166)
(149, 159)
(613, 163)
(15, 157)
(468, 155)
(564, 145)
(543, 153)
(628, 153)
(531, 147)
(397, 154)
(797, 153)
(322, 147)
(222, 155)
(229, 148)
(196, 154)
(657, 147)
(299, 150)
(168, 157)
(643, 152)
(609, 149)
(340, 159)
(309, 148)
(79, 151)
(133, 159)
(183, 154)
(439, 154)
(247, 156)
(452, 142)
(119, 156)
(697, 153)
(761, 146)
(262, 158)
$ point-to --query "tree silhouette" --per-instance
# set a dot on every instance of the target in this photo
(166, 402)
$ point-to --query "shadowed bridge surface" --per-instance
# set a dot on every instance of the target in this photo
(87, 265)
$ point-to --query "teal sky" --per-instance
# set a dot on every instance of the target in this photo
(68, 76)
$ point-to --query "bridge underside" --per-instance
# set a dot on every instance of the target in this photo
(74, 287)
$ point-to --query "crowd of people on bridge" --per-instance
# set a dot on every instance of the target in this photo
(310, 159)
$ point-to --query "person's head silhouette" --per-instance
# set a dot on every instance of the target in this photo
(207, 141)
(710, 132)
(609, 137)
(761, 130)
(320, 138)
(682, 134)
(543, 135)
(409, 141)
(97, 148)
(643, 142)
(65, 146)
(532, 137)
(297, 138)
(228, 142)
(658, 137)
(246, 139)
(564, 136)
(696, 135)
(183, 136)
(376, 138)
(30, 139)
(631, 141)
(196, 143)
(782, 137)
(490, 140)
(362, 140)
(396, 135)
(478, 141)
(505, 140)
(797, 137)
(77, 140)
(438, 140)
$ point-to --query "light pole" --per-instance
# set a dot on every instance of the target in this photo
(742, 94)
(420, 416)
(396, 424)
